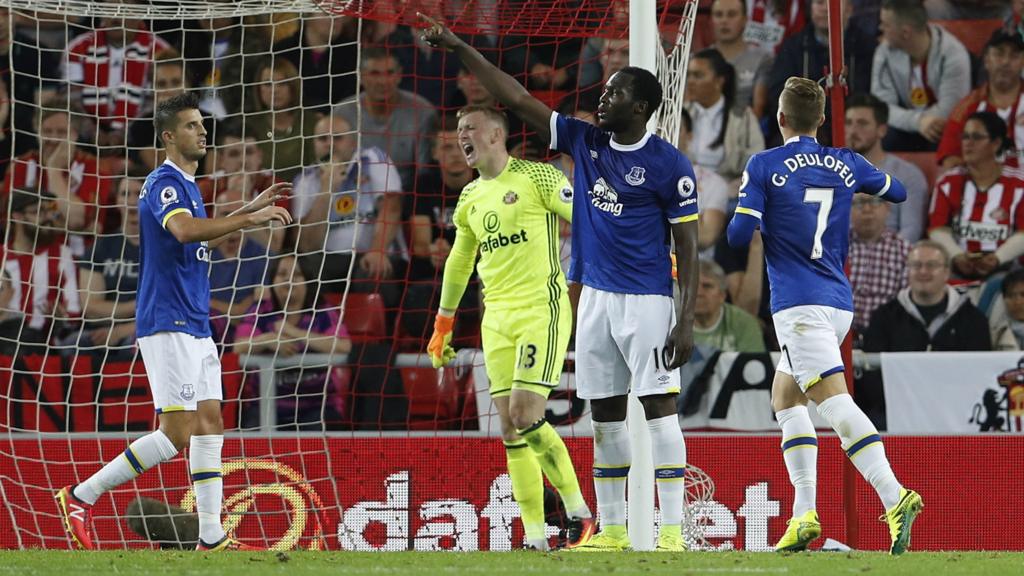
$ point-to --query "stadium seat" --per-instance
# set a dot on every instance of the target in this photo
(432, 404)
(926, 162)
(973, 33)
(364, 317)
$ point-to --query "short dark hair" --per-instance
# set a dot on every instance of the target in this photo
(377, 53)
(646, 88)
(1012, 279)
(166, 116)
(994, 126)
(909, 12)
(868, 100)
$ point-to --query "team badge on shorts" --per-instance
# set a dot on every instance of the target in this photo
(636, 176)
(188, 392)
(511, 197)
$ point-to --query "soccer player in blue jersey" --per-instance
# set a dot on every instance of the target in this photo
(172, 319)
(800, 195)
(632, 191)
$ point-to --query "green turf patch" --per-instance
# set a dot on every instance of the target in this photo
(33, 562)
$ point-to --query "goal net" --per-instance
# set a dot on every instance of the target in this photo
(339, 433)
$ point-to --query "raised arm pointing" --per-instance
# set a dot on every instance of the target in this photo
(505, 88)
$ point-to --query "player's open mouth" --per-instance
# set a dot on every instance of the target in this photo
(467, 149)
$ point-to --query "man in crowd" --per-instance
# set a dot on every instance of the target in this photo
(878, 259)
(717, 323)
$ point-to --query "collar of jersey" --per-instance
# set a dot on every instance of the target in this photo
(802, 139)
(629, 147)
(186, 175)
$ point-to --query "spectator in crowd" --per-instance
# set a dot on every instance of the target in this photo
(725, 135)
(867, 120)
(396, 121)
(11, 319)
(427, 72)
(712, 190)
(718, 324)
(26, 75)
(109, 280)
(325, 53)
(278, 122)
(928, 315)
(807, 55)
(976, 212)
(62, 169)
(611, 55)
(1008, 323)
(470, 92)
(238, 177)
(221, 58)
(40, 265)
(433, 231)
(878, 258)
(752, 63)
(344, 218)
(1004, 64)
(168, 82)
(746, 281)
(289, 319)
(545, 63)
(108, 69)
(238, 266)
(919, 70)
(771, 22)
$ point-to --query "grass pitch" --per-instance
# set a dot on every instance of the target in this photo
(150, 563)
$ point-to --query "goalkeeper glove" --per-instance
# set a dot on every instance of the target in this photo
(440, 348)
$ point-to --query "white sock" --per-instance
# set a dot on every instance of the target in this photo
(141, 455)
(204, 464)
(863, 445)
(669, 452)
(800, 451)
(612, 458)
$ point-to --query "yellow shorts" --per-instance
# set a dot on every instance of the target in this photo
(525, 348)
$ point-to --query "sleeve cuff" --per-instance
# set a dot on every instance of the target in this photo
(682, 219)
(748, 212)
(172, 213)
(553, 128)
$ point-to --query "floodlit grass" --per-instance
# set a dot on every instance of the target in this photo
(149, 563)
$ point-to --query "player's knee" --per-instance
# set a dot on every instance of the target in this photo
(521, 417)
(659, 406)
(609, 409)
(179, 435)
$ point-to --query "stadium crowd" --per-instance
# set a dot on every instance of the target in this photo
(934, 93)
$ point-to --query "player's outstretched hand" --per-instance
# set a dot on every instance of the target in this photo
(270, 214)
(678, 347)
(271, 195)
(440, 348)
(436, 33)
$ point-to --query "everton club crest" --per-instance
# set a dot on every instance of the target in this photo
(635, 176)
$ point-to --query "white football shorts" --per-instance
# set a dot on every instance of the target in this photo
(620, 344)
(809, 337)
(182, 370)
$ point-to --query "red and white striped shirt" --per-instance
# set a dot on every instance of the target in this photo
(112, 78)
(981, 220)
(40, 279)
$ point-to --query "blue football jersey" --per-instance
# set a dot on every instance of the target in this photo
(625, 200)
(802, 193)
(174, 282)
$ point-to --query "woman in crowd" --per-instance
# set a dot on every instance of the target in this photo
(278, 121)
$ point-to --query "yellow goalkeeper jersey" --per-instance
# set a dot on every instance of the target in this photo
(511, 221)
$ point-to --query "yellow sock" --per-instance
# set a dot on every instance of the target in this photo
(554, 460)
(527, 487)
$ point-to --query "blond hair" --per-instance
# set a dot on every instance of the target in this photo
(803, 104)
(495, 115)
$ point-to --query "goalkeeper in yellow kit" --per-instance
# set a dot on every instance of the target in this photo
(509, 216)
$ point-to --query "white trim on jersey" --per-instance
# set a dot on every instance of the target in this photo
(798, 137)
(553, 127)
(629, 147)
(749, 212)
(184, 174)
(888, 182)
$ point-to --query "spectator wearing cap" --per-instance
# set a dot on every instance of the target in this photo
(1003, 59)
(42, 272)
(921, 71)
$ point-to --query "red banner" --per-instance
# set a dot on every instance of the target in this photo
(452, 493)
